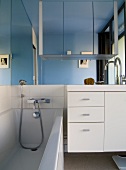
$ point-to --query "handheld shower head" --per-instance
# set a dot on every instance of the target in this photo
(22, 82)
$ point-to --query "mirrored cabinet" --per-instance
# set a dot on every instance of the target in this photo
(70, 29)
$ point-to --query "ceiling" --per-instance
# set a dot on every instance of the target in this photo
(32, 7)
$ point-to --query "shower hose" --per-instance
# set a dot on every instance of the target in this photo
(20, 127)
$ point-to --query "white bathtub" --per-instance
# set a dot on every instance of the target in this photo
(49, 156)
(53, 154)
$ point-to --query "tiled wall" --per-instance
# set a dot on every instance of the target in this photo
(56, 94)
(5, 98)
(10, 104)
(7, 123)
(53, 92)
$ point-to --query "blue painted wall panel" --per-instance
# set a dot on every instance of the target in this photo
(22, 61)
(67, 72)
(5, 38)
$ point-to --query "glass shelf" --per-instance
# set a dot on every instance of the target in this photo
(78, 57)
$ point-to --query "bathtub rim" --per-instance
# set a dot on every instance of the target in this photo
(50, 156)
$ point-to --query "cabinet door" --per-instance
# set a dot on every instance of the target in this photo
(78, 27)
(85, 137)
(53, 27)
(115, 121)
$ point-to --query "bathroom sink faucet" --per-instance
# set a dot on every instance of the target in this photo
(118, 75)
(105, 68)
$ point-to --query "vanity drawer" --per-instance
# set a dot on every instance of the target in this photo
(85, 99)
(85, 137)
(86, 114)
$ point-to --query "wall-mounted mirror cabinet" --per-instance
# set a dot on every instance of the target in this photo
(74, 26)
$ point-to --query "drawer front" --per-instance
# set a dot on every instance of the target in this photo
(86, 114)
(85, 99)
(85, 137)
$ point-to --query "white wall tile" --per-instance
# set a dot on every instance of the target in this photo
(39, 91)
(5, 98)
(16, 90)
(52, 90)
(58, 102)
(26, 90)
(7, 133)
(25, 103)
(35, 90)
(58, 90)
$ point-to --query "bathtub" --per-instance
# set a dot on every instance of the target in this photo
(49, 156)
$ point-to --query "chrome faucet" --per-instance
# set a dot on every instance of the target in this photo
(105, 68)
(123, 79)
(117, 76)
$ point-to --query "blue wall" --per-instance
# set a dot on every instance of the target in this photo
(58, 18)
(67, 71)
(5, 38)
(16, 38)
(21, 45)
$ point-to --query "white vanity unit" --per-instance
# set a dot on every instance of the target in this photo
(96, 118)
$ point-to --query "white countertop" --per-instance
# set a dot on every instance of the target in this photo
(96, 87)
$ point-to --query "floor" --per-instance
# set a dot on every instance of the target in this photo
(89, 161)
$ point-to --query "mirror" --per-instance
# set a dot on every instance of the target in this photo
(16, 39)
(77, 22)
(78, 27)
(53, 27)
(106, 37)
(5, 38)
(21, 45)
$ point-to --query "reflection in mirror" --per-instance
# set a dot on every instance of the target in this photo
(15, 23)
(112, 73)
(53, 27)
(103, 28)
(5, 38)
(121, 48)
(78, 27)
(121, 22)
(21, 47)
(103, 11)
(75, 34)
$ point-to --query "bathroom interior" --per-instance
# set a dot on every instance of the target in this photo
(42, 43)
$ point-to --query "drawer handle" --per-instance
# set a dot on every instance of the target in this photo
(86, 114)
(85, 99)
(86, 130)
